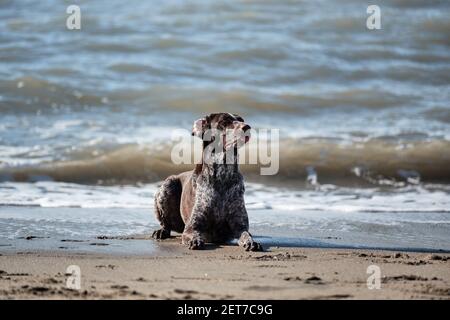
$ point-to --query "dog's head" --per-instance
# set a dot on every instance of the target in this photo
(230, 128)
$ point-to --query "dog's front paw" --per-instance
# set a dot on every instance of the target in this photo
(161, 234)
(251, 245)
(196, 244)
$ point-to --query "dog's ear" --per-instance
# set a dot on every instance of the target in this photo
(199, 127)
(238, 117)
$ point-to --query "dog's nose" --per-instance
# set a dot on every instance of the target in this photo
(246, 127)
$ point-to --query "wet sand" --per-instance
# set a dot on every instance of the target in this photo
(225, 272)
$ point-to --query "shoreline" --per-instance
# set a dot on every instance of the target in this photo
(144, 246)
(226, 272)
(127, 230)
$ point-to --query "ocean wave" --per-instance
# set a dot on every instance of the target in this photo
(378, 162)
(29, 94)
(417, 3)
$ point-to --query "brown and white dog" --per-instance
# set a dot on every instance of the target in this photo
(207, 204)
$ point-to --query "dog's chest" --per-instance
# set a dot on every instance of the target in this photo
(220, 201)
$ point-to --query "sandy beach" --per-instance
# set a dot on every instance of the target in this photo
(226, 272)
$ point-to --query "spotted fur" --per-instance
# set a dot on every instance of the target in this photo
(206, 204)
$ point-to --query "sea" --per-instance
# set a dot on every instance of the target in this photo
(87, 115)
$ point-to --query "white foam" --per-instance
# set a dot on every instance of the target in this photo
(59, 194)
(326, 198)
(350, 200)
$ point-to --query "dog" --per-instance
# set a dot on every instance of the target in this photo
(207, 204)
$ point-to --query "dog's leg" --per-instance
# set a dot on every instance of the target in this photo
(239, 225)
(193, 233)
(193, 240)
(246, 241)
(167, 208)
(161, 234)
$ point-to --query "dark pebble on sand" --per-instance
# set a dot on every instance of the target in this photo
(51, 281)
(109, 266)
(182, 291)
(116, 286)
(314, 280)
(421, 262)
(436, 257)
(292, 279)
(362, 255)
(411, 277)
(39, 289)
